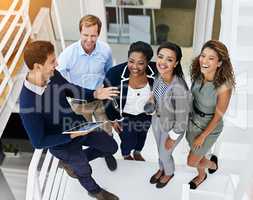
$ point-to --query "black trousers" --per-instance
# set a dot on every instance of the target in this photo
(99, 144)
(135, 128)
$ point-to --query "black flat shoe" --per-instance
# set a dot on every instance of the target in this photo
(154, 180)
(161, 185)
(215, 160)
(193, 185)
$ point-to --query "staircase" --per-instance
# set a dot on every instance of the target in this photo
(15, 29)
(236, 33)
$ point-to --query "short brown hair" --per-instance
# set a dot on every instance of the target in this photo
(37, 52)
(90, 20)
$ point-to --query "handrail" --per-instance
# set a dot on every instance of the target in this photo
(33, 184)
(8, 14)
(58, 22)
(21, 22)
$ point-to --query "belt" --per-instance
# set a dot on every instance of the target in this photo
(200, 113)
(134, 116)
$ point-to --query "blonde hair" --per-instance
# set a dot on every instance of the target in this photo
(90, 20)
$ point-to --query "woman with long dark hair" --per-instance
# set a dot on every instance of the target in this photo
(171, 98)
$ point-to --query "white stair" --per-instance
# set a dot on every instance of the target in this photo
(131, 181)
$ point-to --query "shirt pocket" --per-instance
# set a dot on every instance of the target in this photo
(97, 65)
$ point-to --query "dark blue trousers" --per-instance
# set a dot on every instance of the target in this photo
(135, 128)
(100, 144)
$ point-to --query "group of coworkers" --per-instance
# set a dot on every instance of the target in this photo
(132, 97)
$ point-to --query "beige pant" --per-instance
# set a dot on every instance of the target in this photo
(96, 109)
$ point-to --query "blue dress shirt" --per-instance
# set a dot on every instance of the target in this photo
(80, 68)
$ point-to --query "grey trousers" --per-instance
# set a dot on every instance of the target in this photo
(166, 161)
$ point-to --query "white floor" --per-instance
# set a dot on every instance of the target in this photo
(131, 181)
(15, 172)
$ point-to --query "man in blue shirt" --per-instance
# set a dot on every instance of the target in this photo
(85, 63)
(46, 113)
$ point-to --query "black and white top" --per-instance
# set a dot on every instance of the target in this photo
(159, 88)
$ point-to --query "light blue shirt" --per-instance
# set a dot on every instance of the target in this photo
(80, 68)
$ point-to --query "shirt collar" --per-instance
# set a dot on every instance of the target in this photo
(34, 88)
(125, 74)
(82, 52)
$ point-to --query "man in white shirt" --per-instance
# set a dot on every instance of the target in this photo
(85, 63)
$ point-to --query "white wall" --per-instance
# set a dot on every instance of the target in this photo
(70, 14)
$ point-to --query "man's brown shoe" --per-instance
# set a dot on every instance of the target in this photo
(138, 157)
(104, 195)
(67, 168)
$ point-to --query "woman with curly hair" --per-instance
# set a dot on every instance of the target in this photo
(212, 84)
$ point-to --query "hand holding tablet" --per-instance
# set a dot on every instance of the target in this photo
(83, 129)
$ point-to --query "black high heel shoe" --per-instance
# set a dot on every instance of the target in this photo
(215, 160)
(193, 185)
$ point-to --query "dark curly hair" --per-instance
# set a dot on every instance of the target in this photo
(142, 47)
(224, 74)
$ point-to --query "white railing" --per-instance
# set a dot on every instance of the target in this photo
(47, 181)
(42, 28)
(55, 8)
(13, 39)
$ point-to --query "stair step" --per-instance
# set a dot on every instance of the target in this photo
(245, 21)
(245, 3)
(243, 53)
(5, 190)
(131, 181)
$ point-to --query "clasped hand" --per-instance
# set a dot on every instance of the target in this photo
(169, 143)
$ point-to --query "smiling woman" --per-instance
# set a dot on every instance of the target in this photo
(135, 79)
(171, 99)
(213, 80)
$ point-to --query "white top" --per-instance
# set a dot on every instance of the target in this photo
(136, 99)
(34, 88)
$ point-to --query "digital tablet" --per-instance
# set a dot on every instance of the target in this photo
(76, 101)
(85, 127)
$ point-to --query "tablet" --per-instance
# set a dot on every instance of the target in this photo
(76, 101)
(85, 127)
